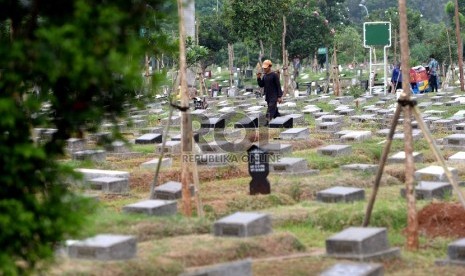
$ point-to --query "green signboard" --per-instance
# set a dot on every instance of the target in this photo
(376, 34)
(321, 51)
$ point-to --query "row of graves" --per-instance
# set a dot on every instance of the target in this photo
(222, 129)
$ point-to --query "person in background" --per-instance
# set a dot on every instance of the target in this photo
(396, 78)
(433, 73)
(272, 90)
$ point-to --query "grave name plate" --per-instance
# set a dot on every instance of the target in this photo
(258, 170)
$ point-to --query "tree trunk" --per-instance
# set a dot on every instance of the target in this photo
(186, 124)
(285, 60)
(459, 44)
(231, 63)
(412, 219)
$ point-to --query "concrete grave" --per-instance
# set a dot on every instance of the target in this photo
(346, 112)
(317, 115)
(332, 118)
(95, 173)
(354, 269)
(363, 118)
(297, 119)
(149, 138)
(92, 155)
(171, 147)
(361, 243)
(288, 164)
(152, 164)
(338, 194)
(154, 207)
(111, 185)
(429, 190)
(442, 124)
(171, 190)
(243, 224)
(435, 173)
(247, 122)
(213, 123)
(281, 122)
(104, 247)
(278, 149)
(360, 135)
(455, 254)
(458, 157)
(399, 157)
(455, 141)
(295, 134)
(75, 144)
(360, 167)
(335, 150)
(237, 268)
(328, 127)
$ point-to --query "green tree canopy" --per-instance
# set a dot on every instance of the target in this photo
(83, 58)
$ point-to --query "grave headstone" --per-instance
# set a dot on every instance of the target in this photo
(171, 190)
(429, 190)
(104, 248)
(435, 173)
(258, 165)
(281, 122)
(338, 194)
(335, 150)
(111, 185)
(295, 134)
(149, 138)
(455, 254)
(360, 243)
(153, 207)
(243, 224)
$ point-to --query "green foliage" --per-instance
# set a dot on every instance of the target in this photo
(386, 214)
(83, 58)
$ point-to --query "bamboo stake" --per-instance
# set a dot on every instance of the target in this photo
(165, 134)
(198, 199)
(186, 124)
(382, 163)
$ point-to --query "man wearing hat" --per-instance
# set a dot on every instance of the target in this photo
(272, 89)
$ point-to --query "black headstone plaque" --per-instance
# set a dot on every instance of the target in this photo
(258, 170)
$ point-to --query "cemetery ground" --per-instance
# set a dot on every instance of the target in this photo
(168, 245)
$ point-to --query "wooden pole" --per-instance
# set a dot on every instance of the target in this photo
(382, 162)
(231, 63)
(459, 45)
(451, 66)
(412, 218)
(285, 60)
(186, 124)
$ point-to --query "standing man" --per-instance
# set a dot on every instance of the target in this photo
(433, 73)
(396, 79)
(272, 89)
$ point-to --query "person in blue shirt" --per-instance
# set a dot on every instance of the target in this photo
(396, 78)
(433, 73)
(272, 89)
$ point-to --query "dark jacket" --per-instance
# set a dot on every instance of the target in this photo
(272, 86)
